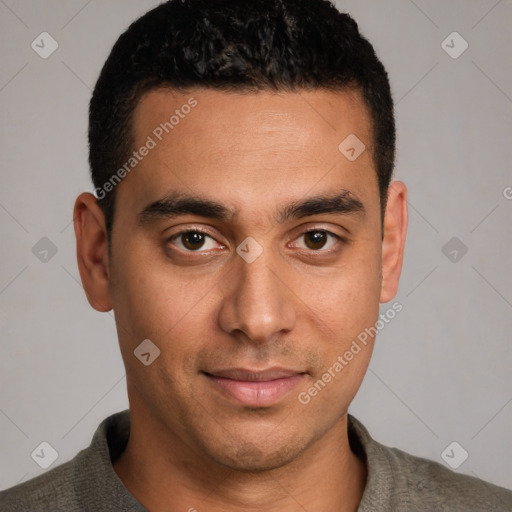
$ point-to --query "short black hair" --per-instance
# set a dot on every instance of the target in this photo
(234, 45)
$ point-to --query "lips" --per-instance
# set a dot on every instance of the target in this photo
(254, 388)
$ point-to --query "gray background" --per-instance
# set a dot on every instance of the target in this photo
(441, 368)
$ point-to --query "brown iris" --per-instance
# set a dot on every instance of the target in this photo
(193, 240)
(315, 239)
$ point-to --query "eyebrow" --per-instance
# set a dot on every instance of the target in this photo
(176, 203)
(343, 202)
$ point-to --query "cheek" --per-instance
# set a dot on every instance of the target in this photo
(350, 311)
(155, 300)
(152, 301)
(344, 310)
(347, 301)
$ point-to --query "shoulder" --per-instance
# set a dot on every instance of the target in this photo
(400, 481)
(54, 488)
(430, 482)
(87, 482)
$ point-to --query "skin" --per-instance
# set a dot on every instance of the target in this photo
(296, 307)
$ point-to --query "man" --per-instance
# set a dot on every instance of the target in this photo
(244, 231)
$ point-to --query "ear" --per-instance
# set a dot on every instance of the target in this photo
(393, 243)
(92, 251)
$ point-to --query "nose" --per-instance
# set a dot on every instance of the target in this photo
(258, 301)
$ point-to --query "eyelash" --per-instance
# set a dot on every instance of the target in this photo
(189, 230)
(339, 239)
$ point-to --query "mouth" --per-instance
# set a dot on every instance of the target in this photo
(255, 388)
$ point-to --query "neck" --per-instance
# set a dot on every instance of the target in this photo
(165, 475)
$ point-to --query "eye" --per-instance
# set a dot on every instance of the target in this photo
(317, 239)
(193, 240)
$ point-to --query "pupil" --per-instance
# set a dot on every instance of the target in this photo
(316, 239)
(193, 240)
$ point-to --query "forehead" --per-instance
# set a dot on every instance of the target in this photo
(251, 146)
(311, 112)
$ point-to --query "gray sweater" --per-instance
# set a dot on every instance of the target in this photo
(397, 481)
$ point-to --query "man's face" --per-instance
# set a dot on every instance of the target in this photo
(242, 338)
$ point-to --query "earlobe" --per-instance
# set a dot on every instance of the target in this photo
(393, 244)
(92, 251)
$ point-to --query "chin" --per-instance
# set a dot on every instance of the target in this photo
(248, 457)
